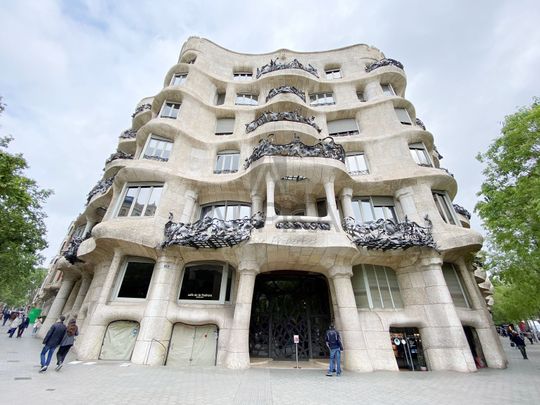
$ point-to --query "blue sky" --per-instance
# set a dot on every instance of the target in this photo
(72, 72)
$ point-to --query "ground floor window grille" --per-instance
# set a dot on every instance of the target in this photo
(376, 287)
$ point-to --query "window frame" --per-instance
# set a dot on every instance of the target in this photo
(182, 76)
(124, 192)
(420, 146)
(377, 288)
(121, 275)
(318, 99)
(226, 204)
(247, 96)
(227, 152)
(225, 271)
(220, 98)
(333, 74)
(344, 133)
(356, 172)
(164, 105)
(390, 91)
(159, 139)
(242, 75)
(440, 195)
(461, 284)
(358, 200)
(225, 133)
(409, 122)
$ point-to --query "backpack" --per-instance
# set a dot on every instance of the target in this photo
(332, 337)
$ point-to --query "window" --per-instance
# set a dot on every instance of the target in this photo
(178, 79)
(220, 98)
(403, 116)
(388, 90)
(78, 232)
(344, 127)
(419, 154)
(247, 99)
(333, 74)
(140, 201)
(356, 164)
(157, 149)
(367, 209)
(360, 95)
(170, 110)
(135, 279)
(224, 126)
(242, 76)
(445, 207)
(227, 162)
(375, 287)
(455, 284)
(191, 61)
(226, 210)
(207, 282)
(321, 99)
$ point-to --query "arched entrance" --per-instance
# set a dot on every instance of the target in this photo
(288, 303)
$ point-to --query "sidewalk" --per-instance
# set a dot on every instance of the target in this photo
(114, 383)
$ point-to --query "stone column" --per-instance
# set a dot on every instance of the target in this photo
(88, 227)
(424, 290)
(356, 356)
(58, 303)
(346, 202)
(83, 290)
(190, 198)
(66, 311)
(405, 197)
(238, 346)
(270, 207)
(156, 329)
(311, 206)
(372, 90)
(256, 203)
(331, 204)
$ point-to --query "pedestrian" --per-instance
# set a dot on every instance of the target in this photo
(6, 313)
(333, 342)
(68, 340)
(520, 343)
(23, 326)
(52, 341)
(14, 324)
(37, 326)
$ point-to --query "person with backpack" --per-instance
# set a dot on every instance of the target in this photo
(333, 342)
(52, 340)
(520, 343)
(66, 343)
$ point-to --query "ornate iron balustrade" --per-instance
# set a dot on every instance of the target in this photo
(385, 234)
(158, 158)
(384, 62)
(269, 116)
(118, 155)
(359, 172)
(211, 232)
(71, 252)
(294, 64)
(445, 170)
(419, 122)
(100, 188)
(460, 210)
(286, 89)
(128, 134)
(141, 108)
(325, 148)
(310, 226)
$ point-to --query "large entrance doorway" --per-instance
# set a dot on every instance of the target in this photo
(288, 303)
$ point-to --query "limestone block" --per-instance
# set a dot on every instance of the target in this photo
(438, 294)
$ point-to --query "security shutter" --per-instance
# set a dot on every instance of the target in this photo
(224, 126)
(193, 345)
(342, 126)
(119, 340)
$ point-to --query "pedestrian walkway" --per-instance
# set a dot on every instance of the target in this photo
(112, 383)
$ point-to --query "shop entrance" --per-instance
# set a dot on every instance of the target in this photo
(407, 346)
(475, 346)
(288, 303)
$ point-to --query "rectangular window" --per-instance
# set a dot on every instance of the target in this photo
(345, 127)
(318, 99)
(403, 116)
(224, 126)
(376, 287)
(445, 208)
(360, 95)
(226, 211)
(356, 164)
(388, 90)
(78, 233)
(178, 79)
(158, 149)
(227, 162)
(136, 280)
(242, 76)
(207, 282)
(455, 284)
(140, 201)
(220, 98)
(419, 154)
(247, 99)
(333, 74)
(367, 209)
(170, 110)
(322, 208)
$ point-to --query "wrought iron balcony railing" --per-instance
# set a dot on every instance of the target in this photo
(325, 148)
(100, 188)
(71, 252)
(294, 64)
(269, 116)
(141, 108)
(419, 122)
(385, 234)
(310, 226)
(211, 232)
(128, 134)
(158, 158)
(460, 210)
(118, 155)
(384, 62)
(286, 89)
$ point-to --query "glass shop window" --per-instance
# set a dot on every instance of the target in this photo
(207, 282)
(376, 287)
(135, 280)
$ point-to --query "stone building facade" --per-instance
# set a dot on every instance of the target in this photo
(258, 197)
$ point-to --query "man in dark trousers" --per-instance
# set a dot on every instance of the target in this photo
(520, 343)
(333, 341)
(52, 341)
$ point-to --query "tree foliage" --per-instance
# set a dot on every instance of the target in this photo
(22, 227)
(510, 209)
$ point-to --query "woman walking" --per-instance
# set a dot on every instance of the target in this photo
(15, 323)
(68, 340)
(23, 326)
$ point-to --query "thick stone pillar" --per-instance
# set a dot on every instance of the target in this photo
(58, 303)
(238, 346)
(66, 311)
(346, 202)
(331, 204)
(256, 203)
(311, 206)
(372, 90)
(405, 197)
(270, 204)
(355, 356)
(423, 288)
(156, 329)
(86, 278)
(190, 198)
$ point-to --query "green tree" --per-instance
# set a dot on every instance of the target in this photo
(510, 209)
(22, 227)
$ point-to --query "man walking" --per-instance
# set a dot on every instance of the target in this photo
(520, 343)
(333, 341)
(52, 341)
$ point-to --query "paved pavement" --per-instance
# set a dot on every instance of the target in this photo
(114, 383)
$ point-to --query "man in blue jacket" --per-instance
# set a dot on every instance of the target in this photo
(333, 341)
(52, 341)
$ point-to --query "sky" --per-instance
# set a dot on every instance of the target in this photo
(72, 72)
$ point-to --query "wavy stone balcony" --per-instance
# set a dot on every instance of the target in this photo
(101, 187)
(141, 108)
(325, 148)
(211, 232)
(118, 155)
(385, 234)
(292, 116)
(294, 64)
(464, 216)
(286, 89)
(384, 62)
(70, 254)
